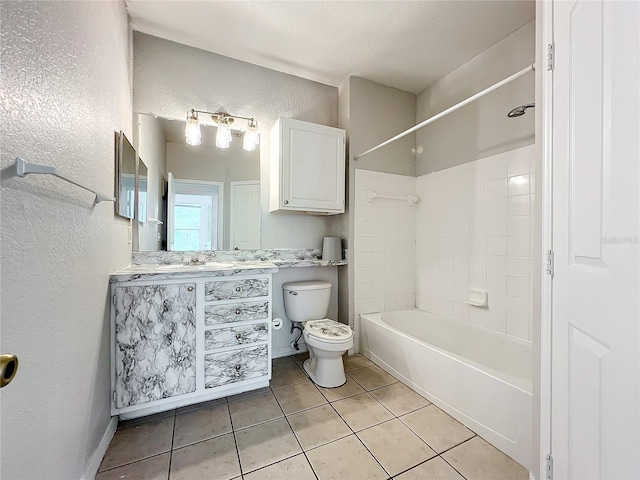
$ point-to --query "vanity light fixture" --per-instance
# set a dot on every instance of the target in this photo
(223, 137)
(192, 130)
(251, 138)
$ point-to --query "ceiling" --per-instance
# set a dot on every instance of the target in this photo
(404, 44)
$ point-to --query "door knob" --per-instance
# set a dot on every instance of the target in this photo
(8, 368)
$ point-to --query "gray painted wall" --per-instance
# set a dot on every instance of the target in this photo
(66, 87)
(481, 128)
(170, 78)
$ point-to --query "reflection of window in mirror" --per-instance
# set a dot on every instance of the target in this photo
(197, 209)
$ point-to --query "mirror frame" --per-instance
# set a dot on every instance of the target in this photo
(119, 210)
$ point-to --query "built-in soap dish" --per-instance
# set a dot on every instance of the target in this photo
(477, 298)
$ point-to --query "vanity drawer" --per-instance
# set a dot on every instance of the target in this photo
(235, 312)
(230, 289)
(235, 366)
(230, 337)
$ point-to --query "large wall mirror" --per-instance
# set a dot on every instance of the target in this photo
(211, 200)
(126, 176)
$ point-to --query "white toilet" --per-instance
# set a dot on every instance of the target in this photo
(308, 303)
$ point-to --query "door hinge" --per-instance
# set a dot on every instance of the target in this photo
(550, 57)
(549, 467)
(549, 263)
(113, 299)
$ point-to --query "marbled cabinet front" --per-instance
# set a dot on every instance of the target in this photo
(182, 341)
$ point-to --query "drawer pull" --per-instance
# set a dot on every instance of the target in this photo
(189, 289)
(238, 336)
(238, 289)
(238, 311)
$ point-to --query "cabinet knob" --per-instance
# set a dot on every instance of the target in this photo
(189, 289)
(286, 202)
(238, 311)
(238, 367)
(238, 289)
(238, 336)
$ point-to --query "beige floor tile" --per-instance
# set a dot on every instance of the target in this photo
(285, 376)
(372, 377)
(300, 357)
(395, 446)
(400, 399)
(435, 427)
(478, 460)
(347, 390)
(299, 397)
(154, 468)
(135, 443)
(133, 422)
(264, 444)
(249, 393)
(196, 406)
(361, 411)
(253, 410)
(353, 362)
(345, 459)
(318, 426)
(212, 459)
(294, 468)
(201, 424)
(282, 362)
(434, 469)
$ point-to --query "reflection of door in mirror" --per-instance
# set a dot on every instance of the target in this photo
(195, 214)
(245, 215)
(141, 191)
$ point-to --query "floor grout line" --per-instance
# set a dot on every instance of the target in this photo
(173, 434)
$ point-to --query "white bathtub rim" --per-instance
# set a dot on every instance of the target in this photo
(521, 384)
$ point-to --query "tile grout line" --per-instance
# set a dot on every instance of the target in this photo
(235, 440)
(173, 434)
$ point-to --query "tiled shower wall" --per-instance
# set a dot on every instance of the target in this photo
(474, 229)
(384, 249)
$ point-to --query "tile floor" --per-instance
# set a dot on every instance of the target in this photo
(373, 427)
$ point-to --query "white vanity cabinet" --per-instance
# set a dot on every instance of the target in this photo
(181, 341)
(307, 167)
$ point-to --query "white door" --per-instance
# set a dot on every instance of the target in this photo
(171, 210)
(245, 215)
(595, 409)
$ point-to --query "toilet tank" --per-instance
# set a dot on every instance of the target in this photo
(306, 300)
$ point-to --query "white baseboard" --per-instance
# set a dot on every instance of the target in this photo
(96, 459)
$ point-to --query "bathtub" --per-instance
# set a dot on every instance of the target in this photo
(481, 378)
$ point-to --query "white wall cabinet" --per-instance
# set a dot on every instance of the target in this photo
(183, 341)
(307, 167)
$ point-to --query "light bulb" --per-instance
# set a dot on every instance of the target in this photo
(192, 130)
(223, 136)
(251, 137)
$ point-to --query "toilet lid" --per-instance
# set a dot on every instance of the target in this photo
(328, 330)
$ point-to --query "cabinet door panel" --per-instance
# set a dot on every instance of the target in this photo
(155, 339)
(236, 366)
(235, 312)
(230, 337)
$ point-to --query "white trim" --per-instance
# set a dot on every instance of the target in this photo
(97, 456)
(232, 209)
(546, 189)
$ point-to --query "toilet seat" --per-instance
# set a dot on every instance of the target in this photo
(328, 331)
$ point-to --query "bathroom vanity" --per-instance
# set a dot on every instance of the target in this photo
(186, 334)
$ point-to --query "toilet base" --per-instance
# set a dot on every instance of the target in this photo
(325, 372)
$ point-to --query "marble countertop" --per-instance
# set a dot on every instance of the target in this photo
(212, 269)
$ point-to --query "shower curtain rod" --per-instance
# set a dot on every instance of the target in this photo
(426, 122)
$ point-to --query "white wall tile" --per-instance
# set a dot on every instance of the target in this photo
(518, 246)
(496, 245)
(518, 205)
(518, 185)
(518, 287)
(496, 284)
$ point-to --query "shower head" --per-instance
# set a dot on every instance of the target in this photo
(519, 111)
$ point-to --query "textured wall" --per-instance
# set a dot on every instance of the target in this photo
(170, 78)
(481, 128)
(66, 88)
